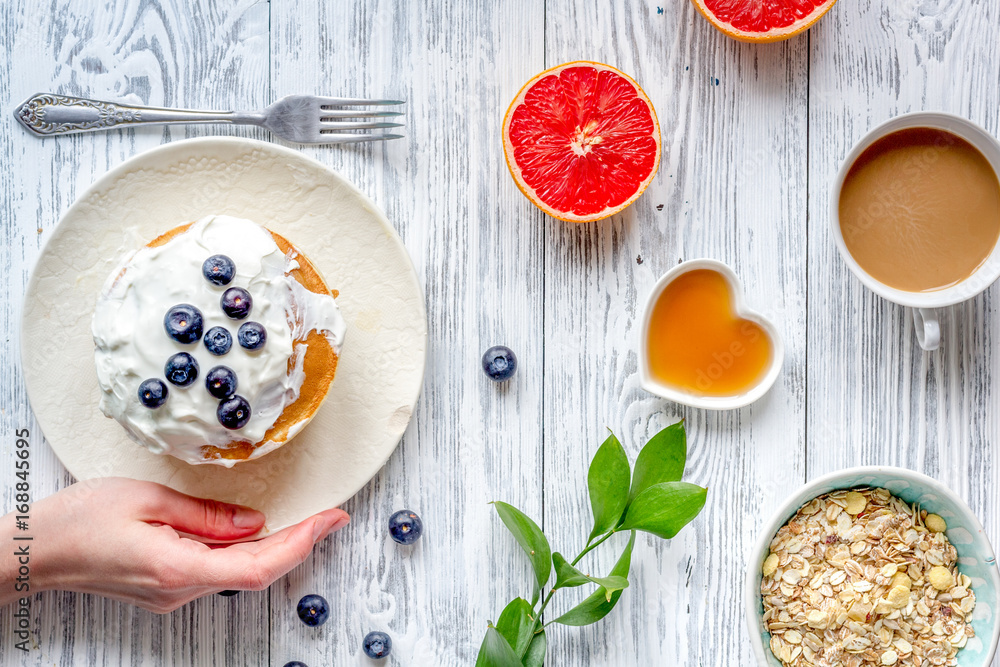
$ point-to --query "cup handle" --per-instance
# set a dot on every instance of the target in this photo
(925, 322)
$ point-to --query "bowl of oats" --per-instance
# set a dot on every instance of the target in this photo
(873, 567)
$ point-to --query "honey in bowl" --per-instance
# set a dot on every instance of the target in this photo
(698, 344)
(920, 209)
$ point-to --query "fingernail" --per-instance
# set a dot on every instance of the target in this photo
(318, 529)
(244, 517)
(337, 525)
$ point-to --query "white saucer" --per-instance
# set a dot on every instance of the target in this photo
(347, 237)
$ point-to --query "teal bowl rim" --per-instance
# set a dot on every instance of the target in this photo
(751, 590)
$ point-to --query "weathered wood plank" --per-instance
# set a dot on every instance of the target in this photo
(446, 190)
(206, 53)
(732, 185)
(752, 139)
(874, 396)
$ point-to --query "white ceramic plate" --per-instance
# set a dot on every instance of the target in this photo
(347, 237)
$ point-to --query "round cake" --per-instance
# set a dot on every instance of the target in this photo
(216, 342)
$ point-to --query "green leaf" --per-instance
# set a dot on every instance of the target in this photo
(568, 576)
(496, 652)
(517, 624)
(663, 509)
(600, 604)
(660, 460)
(611, 585)
(535, 655)
(530, 537)
(607, 481)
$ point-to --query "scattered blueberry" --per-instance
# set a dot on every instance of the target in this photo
(252, 335)
(227, 594)
(313, 610)
(499, 363)
(181, 369)
(183, 323)
(405, 527)
(153, 393)
(218, 269)
(233, 413)
(236, 303)
(377, 645)
(218, 340)
(221, 382)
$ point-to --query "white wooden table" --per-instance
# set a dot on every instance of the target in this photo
(752, 138)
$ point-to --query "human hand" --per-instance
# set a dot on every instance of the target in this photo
(137, 542)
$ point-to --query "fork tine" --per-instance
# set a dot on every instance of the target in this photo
(353, 102)
(338, 125)
(329, 137)
(357, 113)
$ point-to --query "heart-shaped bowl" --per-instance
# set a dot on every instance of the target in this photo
(655, 386)
(975, 554)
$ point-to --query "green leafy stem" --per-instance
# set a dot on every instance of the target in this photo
(651, 498)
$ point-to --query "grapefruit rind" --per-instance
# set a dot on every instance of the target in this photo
(515, 170)
(775, 35)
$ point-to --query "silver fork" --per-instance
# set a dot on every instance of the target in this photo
(304, 119)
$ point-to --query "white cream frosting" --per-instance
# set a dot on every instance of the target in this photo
(132, 345)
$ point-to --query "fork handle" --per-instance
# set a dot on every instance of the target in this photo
(46, 114)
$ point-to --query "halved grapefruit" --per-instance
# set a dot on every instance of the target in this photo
(763, 20)
(581, 141)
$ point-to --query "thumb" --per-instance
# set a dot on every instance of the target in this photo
(204, 517)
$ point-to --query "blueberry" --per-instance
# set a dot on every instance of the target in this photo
(218, 269)
(499, 363)
(153, 393)
(313, 610)
(181, 369)
(252, 335)
(296, 663)
(377, 645)
(183, 323)
(227, 594)
(233, 413)
(218, 340)
(236, 303)
(221, 382)
(405, 527)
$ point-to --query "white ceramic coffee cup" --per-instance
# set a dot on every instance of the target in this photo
(924, 304)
